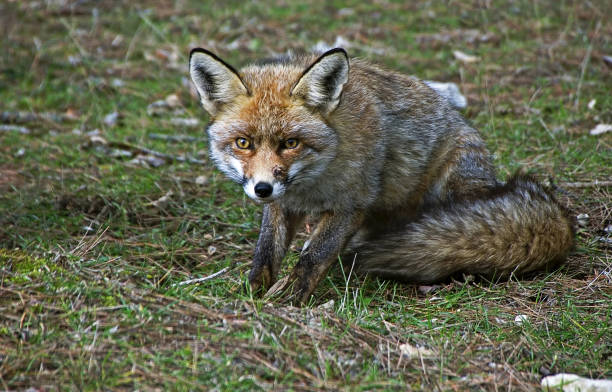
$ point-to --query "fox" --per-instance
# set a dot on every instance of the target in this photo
(397, 180)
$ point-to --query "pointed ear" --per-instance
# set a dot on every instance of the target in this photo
(321, 84)
(216, 81)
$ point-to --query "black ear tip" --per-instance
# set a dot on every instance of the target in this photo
(336, 50)
(201, 50)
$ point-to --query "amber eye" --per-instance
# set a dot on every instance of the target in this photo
(291, 143)
(243, 143)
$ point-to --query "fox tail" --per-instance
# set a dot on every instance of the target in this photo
(518, 228)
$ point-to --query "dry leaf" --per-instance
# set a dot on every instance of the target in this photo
(163, 201)
(111, 119)
(14, 128)
(464, 57)
(185, 122)
(600, 129)
(568, 382)
(583, 219)
(521, 319)
(411, 351)
(173, 101)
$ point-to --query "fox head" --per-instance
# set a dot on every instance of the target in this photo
(269, 128)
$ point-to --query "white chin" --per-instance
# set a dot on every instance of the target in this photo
(263, 200)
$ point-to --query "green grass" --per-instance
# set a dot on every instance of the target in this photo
(92, 246)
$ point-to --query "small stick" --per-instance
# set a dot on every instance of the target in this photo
(586, 184)
(175, 138)
(27, 117)
(585, 64)
(204, 279)
(14, 128)
(158, 154)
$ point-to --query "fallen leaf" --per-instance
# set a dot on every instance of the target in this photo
(600, 129)
(117, 40)
(116, 83)
(521, 319)
(346, 12)
(583, 219)
(111, 119)
(71, 114)
(424, 289)
(163, 201)
(606, 240)
(329, 305)
(163, 106)
(147, 161)
(118, 153)
(450, 91)
(96, 140)
(568, 382)
(185, 122)
(14, 128)
(411, 351)
(464, 57)
(173, 101)
(75, 60)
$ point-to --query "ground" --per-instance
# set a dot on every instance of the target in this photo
(108, 202)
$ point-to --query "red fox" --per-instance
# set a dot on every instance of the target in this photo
(397, 178)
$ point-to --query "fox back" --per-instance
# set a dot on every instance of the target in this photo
(376, 139)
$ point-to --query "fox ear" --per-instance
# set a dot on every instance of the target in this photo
(216, 81)
(321, 84)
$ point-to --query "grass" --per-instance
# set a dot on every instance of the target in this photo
(93, 244)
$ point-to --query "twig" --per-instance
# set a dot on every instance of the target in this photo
(155, 29)
(204, 279)
(588, 184)
(585, 64)
(72, 36)
(143, 150)
(14, 128)
(27, 117)
(175, 138)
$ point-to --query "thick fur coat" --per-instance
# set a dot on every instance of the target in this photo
(400, 182)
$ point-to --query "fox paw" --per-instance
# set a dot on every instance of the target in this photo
(260, 279)
(290, 290)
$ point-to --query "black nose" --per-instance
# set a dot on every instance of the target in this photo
(263, 189)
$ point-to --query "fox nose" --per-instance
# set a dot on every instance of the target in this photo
(263, 189)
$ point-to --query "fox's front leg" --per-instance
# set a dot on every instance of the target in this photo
(277, 230)
(325, 245)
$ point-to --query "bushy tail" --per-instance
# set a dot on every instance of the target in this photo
(518, 228)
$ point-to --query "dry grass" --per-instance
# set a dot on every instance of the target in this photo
(93, 244)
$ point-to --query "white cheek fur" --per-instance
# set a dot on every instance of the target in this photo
(228, 164)
(249, 189)
(236, 165)
(294, 169)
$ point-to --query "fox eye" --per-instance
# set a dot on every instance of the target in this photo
(291, 143)
(243, 143)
